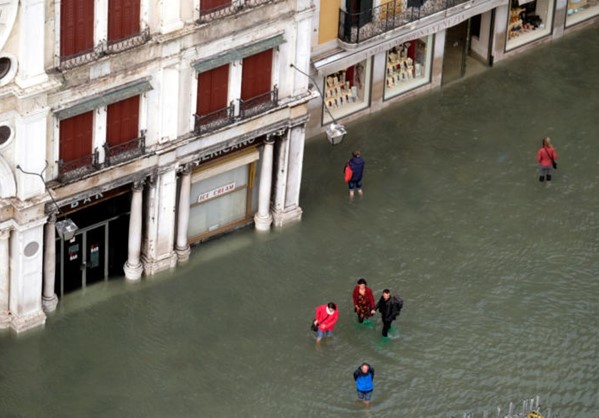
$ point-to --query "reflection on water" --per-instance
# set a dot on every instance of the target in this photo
(498, 273)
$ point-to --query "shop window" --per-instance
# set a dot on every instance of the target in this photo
(123, 19)
(76, 27)
(347, 91)
(528, 21)
(220, 201)
(581, 10)
(408, 66)
(75, 143)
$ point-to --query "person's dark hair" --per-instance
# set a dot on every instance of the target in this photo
(362, 280)
(356, 153)
(386, 291)
(332, 306)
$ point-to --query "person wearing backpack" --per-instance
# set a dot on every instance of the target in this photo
(389, 308)
(356, 168)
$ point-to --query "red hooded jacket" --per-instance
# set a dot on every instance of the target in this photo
(326, 322)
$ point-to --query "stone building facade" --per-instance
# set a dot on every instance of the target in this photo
(132, 129)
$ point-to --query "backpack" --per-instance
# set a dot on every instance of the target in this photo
(347, 172)
(396, 305)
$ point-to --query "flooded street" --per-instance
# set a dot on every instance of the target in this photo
(499, 273)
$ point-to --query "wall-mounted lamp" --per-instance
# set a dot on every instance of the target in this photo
(66, 228)
(335, 131)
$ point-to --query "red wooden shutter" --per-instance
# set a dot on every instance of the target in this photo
(76, 26)
(76, 136)
(208, 5)
(256, 75)
(122, 121)
(123, 19)
(213, 87)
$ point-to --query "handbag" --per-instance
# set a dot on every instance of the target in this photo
(347, 173)
(314, 327)
(553, 162)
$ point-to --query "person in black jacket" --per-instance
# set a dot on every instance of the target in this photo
(389, 307)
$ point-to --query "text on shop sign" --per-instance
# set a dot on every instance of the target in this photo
(216, 192)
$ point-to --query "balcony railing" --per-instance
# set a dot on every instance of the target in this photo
(71, 61)
(104, 48)
(228, 9)
(123, 44)
(214, 120)
(359, 27)
(72, 169)
(114, 154)
(259, 104)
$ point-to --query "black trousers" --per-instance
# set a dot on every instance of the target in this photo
(386, 326)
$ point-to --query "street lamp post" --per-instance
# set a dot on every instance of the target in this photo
(66, 228)
(335, 131)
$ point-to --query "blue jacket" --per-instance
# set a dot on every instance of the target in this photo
(364, 381)
(357, 167)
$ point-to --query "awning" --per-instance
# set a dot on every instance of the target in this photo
(216, 61)
(109, 97)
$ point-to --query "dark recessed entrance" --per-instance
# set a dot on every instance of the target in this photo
(98, 250)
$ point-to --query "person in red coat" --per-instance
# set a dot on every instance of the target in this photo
(363, 300)
(546, 156)
(325, 319)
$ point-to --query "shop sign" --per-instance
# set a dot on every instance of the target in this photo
(91, 199)
(226, 150)
(216, 192)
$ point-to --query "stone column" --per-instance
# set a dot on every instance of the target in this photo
(288, 179)
(182, 246)
(31, 43)
(133, 267)
(4, 279)
(160, 209)
(49, 298)
(263, 218)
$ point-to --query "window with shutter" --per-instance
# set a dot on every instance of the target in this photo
(76, 137)
(256, 75)
(123, 19)
(213, 5)
(213, 89)
(122, 121)
(76, 27)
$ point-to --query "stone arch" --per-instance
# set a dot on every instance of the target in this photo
(8, 186)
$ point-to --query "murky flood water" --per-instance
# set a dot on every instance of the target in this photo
(499, 274)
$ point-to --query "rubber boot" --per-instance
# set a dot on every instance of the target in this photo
(541, 178)
(548, 177)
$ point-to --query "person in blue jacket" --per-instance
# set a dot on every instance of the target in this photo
(357, 167)
(364, 377)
